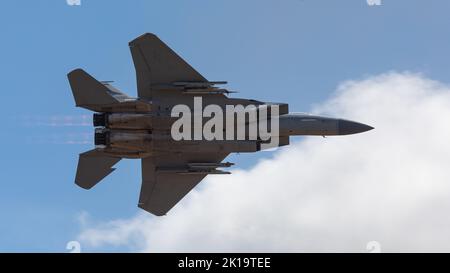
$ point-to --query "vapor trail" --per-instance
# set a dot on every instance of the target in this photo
(56, 121)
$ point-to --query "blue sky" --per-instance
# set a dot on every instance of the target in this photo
(290, 51)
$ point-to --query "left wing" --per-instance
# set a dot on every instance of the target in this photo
(166, 179)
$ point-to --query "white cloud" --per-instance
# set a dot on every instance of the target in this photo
(391, 185)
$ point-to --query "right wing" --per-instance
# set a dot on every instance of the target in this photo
(165, 181)
(157, 64)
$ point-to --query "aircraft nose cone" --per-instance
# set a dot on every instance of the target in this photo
(347, 127)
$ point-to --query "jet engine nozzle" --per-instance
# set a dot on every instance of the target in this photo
(99, 120)
(101, 138)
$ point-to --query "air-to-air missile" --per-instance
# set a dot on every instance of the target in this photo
(181, 125)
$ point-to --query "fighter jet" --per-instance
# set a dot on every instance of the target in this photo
(143, 127)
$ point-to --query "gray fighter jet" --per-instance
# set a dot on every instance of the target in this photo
(142, 127)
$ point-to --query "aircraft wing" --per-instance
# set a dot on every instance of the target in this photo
(166, 179)
(158, 65)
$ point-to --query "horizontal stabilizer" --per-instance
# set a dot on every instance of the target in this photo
(90, 93)
(93, 166)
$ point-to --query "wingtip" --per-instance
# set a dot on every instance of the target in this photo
(75, 71)
(143, 37)
(83, 186)
(154, 212)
